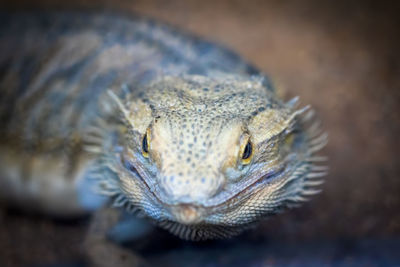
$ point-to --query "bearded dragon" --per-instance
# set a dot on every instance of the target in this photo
(161, 122)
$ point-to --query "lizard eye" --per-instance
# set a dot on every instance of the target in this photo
(247, 152)
(145, 144)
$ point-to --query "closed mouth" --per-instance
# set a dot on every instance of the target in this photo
(189, 210)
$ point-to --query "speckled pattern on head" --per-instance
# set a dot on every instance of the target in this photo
(196, 136)
(166, 124)
(196, 129)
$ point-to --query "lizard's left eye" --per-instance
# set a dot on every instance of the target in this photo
(247, 152)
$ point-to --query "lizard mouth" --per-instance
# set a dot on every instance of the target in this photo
(189, 213)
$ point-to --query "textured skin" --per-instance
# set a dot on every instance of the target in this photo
(81, 91)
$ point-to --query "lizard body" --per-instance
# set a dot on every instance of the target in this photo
(166, 124)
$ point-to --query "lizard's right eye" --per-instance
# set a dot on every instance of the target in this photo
(145, 144)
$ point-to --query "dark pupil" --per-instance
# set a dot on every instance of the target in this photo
(247, 151)
(144, 144)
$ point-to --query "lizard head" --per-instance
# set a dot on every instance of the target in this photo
(207, 157)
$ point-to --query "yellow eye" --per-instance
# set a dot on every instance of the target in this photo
(145, 144)
(247, 152)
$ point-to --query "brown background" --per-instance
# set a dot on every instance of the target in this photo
(341, 57)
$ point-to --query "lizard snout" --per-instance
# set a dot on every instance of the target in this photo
(194, 190)
(187, 213)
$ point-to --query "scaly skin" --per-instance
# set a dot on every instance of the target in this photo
(178, 129)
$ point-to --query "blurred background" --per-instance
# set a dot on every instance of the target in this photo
(343, 58)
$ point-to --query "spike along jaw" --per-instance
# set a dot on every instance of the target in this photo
(288, 139)
(255, 164)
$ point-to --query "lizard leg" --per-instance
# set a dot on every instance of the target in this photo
(129, 228)
(100, 250)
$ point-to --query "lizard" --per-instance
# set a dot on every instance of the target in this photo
(161, 122)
